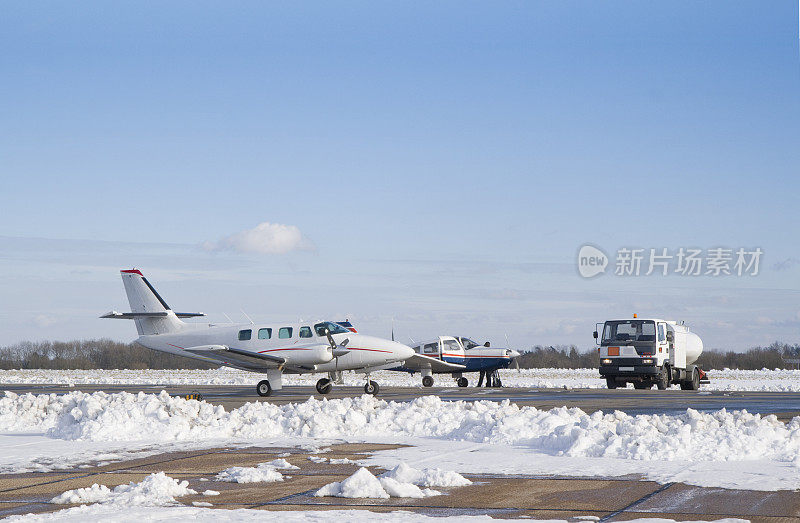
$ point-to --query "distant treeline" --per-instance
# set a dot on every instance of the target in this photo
(108, 354)
(91, 354)
(569, 357)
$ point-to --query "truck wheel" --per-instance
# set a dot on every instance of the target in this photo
(692, 383)
(427, 381)
(663, 378)
(611, 383)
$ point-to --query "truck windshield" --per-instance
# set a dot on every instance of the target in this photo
(639, 333)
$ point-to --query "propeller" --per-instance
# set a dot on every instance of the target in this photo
(340, 349)
(516, 360)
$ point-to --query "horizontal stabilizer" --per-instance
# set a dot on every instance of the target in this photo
(134, 315)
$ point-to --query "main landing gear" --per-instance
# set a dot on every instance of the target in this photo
(264, 388)
(324, 385)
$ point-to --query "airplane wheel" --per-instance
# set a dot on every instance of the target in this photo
(462, 382)
(324, 386)
(427, 381)
(371, 387)
(264, 388)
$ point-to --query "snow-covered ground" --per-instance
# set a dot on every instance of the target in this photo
(723, 380)
(720, 449)
(181, 514)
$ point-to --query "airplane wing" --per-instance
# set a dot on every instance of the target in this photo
(419, 362)
(242, 359)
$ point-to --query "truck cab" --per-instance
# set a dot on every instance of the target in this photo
(649, 352)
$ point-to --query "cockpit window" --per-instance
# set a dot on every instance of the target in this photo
(630, 332)
(334, 328)
(468, 343)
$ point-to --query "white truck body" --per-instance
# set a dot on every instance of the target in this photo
(649, 351)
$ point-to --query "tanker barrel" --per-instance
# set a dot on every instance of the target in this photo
(694, 347)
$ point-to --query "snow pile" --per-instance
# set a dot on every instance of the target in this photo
(721, 380)
(692, 436)
(363, 484)
(427, 477)
(263, 472)
(155, 489)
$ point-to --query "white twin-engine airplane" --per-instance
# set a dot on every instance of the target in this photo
(268, 349)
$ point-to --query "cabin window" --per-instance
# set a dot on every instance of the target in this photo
(452, 346)
(285, 332)
(305, 332)
(245, 334)
(431, 348)
(264, 334)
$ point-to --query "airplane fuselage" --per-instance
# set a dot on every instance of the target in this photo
(299, 344)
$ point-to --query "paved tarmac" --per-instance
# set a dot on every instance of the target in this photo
(784, 405)
(538, 497)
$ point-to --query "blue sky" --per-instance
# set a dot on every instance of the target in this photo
(443, 162)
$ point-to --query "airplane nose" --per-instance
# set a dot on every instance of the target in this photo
(513, 354)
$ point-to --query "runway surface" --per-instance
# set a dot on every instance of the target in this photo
(784, 405)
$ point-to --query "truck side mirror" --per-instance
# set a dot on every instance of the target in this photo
(670, 336)
(595, 334)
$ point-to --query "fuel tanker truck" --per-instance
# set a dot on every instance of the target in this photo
(649, 352)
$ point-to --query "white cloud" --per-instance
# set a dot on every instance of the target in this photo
(264, 238)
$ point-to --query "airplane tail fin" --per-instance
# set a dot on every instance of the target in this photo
(149, 311)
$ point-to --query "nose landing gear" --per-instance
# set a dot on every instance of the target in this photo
(371, 387)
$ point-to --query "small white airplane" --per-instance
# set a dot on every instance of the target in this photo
(268, 349)
(454, 355)
(457, 355)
